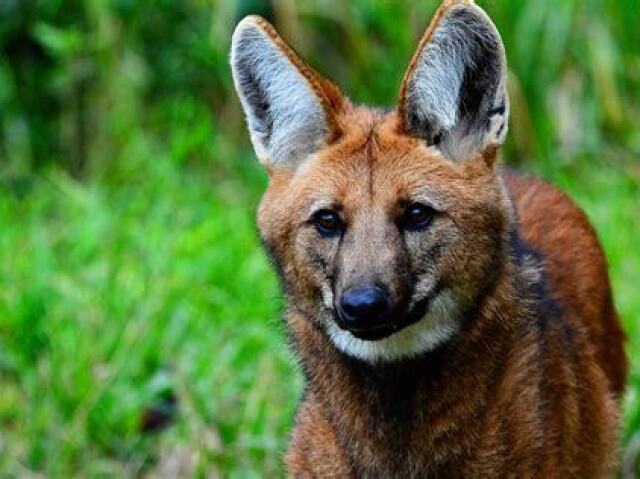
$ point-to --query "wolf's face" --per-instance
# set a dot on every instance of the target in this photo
(383, 242)
(385, 227)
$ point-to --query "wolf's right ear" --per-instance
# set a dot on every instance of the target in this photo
(291, 110)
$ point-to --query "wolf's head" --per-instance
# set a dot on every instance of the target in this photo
(386, 227)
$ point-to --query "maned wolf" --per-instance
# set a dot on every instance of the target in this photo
(451, 319)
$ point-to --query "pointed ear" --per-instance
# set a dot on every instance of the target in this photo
(454, 92)
(291, 110)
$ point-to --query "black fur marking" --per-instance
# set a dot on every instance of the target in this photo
(546, 308)
(549, 321)
(539, 291)
(500, 110)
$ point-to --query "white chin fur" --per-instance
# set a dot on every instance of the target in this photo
(436, 327)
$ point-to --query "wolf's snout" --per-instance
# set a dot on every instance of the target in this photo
(364, 307)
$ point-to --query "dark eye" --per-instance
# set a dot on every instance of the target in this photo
(328, 223)
(417, 217)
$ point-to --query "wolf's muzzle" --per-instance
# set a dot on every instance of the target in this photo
(364, 308)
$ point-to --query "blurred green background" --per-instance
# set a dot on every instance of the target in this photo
(139, 321)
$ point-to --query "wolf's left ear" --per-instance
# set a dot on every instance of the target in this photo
(454, 92)
(291, 110)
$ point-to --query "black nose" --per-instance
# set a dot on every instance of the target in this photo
(364, 307)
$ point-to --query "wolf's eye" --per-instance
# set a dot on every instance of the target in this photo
(417, 217)
(328, 223)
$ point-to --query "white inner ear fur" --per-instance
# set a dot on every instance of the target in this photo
(443, 99)
(285, 117)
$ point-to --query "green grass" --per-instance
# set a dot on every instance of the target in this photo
(113, 296)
